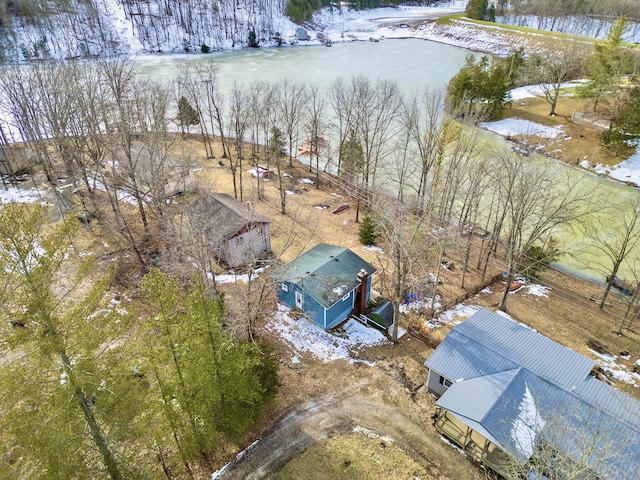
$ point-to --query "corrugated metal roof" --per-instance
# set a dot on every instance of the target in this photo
(326, 272)
(519, 345)
(580, 415)
(475, 398)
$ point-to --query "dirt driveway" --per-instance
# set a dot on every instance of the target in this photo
(375, 402)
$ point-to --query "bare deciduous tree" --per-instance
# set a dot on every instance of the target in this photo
(537, 197)
(611, 238)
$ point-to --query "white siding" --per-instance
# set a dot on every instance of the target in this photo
(246, 247)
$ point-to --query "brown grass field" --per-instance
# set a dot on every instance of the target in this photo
(567, 314)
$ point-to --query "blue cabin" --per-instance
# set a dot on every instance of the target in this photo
(327, 283)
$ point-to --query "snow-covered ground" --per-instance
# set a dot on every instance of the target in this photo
(610, 365)
(12, 193)
(340, 25)
(518, 126)
(305, 337)
(625, 171)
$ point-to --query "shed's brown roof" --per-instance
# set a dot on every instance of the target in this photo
(228, 216)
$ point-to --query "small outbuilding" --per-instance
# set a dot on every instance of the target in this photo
(302, 34)
(236, 233)
(14, 159)
(328, 283)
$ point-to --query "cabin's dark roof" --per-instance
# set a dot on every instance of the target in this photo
(326, 272)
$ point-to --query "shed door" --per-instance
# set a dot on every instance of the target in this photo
(299, 300)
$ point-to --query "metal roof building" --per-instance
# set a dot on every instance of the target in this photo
(519, 390)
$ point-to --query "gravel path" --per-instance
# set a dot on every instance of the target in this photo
(318, 419)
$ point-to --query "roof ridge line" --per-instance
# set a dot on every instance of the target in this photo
(499, 397)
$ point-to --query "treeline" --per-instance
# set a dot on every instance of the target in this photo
(60, 29)
(590, 18)
(481, 87)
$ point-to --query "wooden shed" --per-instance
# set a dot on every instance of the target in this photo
(235, 232)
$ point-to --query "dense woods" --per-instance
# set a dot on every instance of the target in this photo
(31, 29)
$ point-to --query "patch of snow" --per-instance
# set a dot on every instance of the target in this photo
(11, 193)
(505, 315)
(339, 290)
(219, 473)
(613, 368)
(259, 172)
(122, 194)
(538, 290)
(373, 248)
(527, 424)
(451, 444)
(305, 336)
(306, 180)
(401, 332)
(518, 126)
(416, 305)
(233, 278)
(453, 316)
(530, 91)
(289, 192)
(628, 170)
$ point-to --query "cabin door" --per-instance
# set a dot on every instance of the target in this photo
(299, 302)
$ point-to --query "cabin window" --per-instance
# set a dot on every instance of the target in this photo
(444, 381)
(239, 240)
(285, 287)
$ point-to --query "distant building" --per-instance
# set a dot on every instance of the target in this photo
(327, 283)
(14, 159)
(302, 34)
(509, 396)
(235, 232)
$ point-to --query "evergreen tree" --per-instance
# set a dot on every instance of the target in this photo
(187, 115)
(480, 89)
(477, 9)
(66, 404)
(368, 231)
(607, 67)
(351, 158)
(625, 127)
(210, 386)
